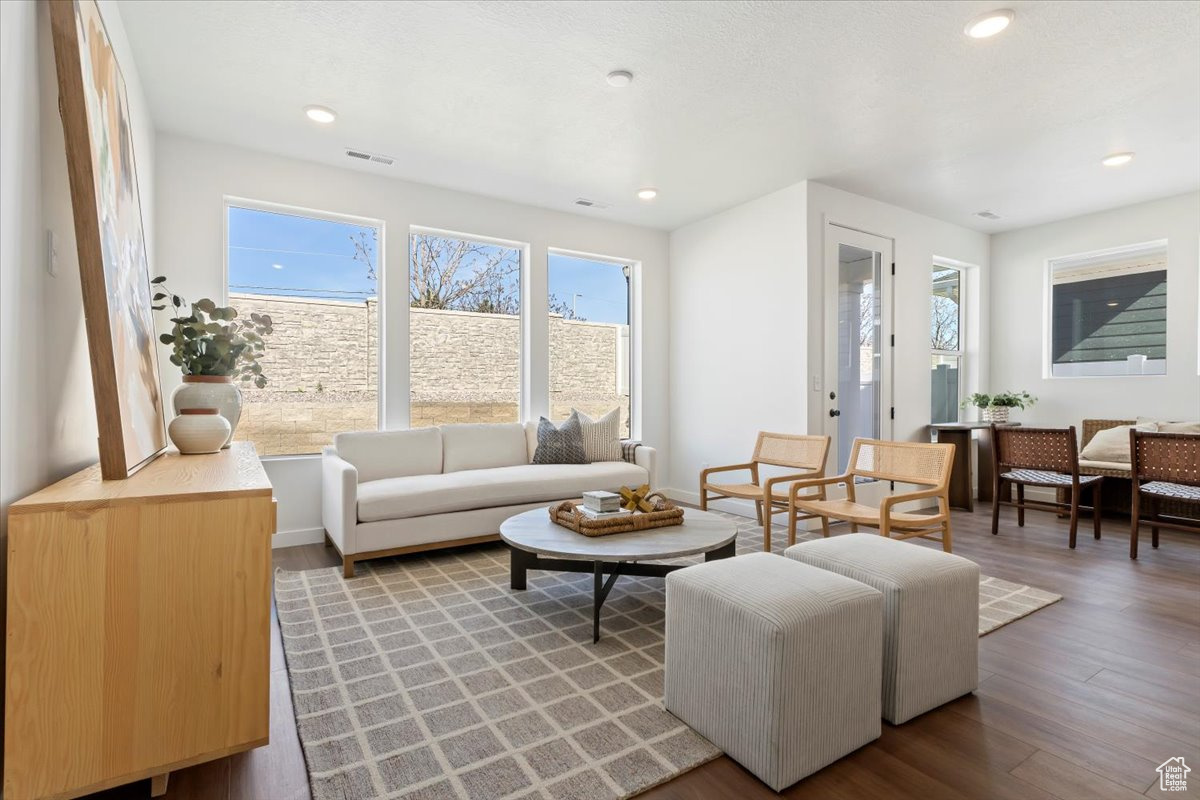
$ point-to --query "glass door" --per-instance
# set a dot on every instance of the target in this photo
(858, 352)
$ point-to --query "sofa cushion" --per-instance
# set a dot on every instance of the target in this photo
(391, 454)
(1112, 444)
(559, 444)
(601, 437)
(531, 429)
(420, 495)
(483, 446)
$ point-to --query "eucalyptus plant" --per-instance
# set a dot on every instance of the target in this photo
(211, 340)
(1020, 399)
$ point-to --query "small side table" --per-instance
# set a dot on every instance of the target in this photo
(960, 434)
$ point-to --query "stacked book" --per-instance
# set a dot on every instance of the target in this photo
(602, 505)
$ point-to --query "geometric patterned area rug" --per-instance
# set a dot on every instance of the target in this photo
(427, 677)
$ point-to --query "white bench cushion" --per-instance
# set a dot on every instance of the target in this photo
(483, 446)
(463, 490)
(391, 454)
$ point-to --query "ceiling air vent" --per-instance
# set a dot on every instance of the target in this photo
(374, 158)
(583, 201)
(987, 215)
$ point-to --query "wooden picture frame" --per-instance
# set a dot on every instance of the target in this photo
(113, 265)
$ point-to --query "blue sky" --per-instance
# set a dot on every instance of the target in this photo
(281, 254)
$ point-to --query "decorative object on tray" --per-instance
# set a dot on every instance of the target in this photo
(662, 514)
(996, 407)
(211, 346)
(199, 430)
(637, 499)
(602, 501)
(113, 267)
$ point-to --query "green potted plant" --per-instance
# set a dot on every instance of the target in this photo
(996, 407)
(212, 346)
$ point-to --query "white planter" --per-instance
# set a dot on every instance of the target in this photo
(210, 391)
(199, 430)
(996, 414)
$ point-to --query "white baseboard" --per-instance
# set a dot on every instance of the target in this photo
(299, 537)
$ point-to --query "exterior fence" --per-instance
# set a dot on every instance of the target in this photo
(322, 363)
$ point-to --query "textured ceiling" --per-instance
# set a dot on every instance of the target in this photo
(730, 100)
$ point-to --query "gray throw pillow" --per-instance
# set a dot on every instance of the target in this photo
(559, 445)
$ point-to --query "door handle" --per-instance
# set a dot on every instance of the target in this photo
(833, 412)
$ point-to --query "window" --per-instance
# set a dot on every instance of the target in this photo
(465, 334)
(1108, 312)
(590, 365)
(316, 277)
(945, 341)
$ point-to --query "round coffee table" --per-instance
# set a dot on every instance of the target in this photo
(537, 543)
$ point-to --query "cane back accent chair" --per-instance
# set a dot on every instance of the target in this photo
(791, 451)
(916, 463)
(1166, 467)
(1046, 457)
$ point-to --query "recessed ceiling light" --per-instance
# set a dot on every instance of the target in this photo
(1112, 304)
(1117, 159)
(989, 24)
(620, 77)
(320, 114)
(647, 193)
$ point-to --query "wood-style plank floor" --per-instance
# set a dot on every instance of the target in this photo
(1080, 700)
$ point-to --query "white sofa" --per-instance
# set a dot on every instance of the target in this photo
(391, 492)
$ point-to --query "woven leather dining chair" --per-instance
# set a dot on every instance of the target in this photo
(791, 451)
(1046, 457)
(1169, 463)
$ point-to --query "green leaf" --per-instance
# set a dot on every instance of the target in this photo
(158, 279)
(157, 308)
(158, 296)
(167, 338)
(176, 300)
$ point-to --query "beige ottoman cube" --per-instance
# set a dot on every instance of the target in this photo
(930, 615)
(776, 663)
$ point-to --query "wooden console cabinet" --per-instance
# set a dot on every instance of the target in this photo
(138, 624)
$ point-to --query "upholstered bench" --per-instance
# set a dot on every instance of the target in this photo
(775, 662)
(930, 615)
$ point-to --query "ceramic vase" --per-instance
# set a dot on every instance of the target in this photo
(997, 414)
(199, 430)
(210, 391)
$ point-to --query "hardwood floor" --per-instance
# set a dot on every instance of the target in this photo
(1080, 700)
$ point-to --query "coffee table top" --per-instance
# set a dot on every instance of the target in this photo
(700, 532)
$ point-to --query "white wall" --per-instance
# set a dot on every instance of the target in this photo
(1018, 297)
(917, 241)
(738, 294)
(47, 414)
(195, 176)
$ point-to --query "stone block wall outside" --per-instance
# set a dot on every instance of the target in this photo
(322, 366)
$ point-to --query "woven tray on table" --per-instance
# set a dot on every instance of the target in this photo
(665, 514)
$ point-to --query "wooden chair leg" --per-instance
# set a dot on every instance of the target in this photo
(791, 525)
(1020, 505)
(1155, 513)
(996, 508)
(1154, 536)
(758, 511)
(1096, 510)
(766, 526)
(946, 540)
(1134, 515)
(1074, 518)
(703, 498)
(825, 527)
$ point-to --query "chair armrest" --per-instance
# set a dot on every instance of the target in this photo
(339, 500)
(770, 483)
(822, 482)
(647, 458)
(704, 473)
(885, 508)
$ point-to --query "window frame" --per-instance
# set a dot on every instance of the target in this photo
(961, 352)
(524, 291)
(250, 204)
(635, 327)
(1101, 255)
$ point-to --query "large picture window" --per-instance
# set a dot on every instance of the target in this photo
(590, 364)
(465, 333)
(1108, 312)
(316, 277)
(945, 342)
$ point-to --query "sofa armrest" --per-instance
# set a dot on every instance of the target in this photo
(339, 500)
(647, 458)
